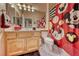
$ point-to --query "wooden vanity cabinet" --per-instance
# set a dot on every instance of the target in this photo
(32, 44)
(21, 42)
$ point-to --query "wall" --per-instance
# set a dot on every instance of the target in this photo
(2, 51)
(2, 6)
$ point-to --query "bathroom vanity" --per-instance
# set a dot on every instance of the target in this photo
(24, 29)
(21, 42)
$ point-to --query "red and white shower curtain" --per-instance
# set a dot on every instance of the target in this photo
(65, 27)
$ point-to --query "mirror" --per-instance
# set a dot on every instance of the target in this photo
(27, 15)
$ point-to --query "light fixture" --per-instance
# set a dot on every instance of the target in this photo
(28, 6)
(19, 4)
(20, 8)
(33, 10)
(24, 8)
(28, 9)
(24, 5)
(32, 7)
(12, 5)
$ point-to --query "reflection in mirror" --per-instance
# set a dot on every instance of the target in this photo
(27, 15)
(28, 23)
(17, 21)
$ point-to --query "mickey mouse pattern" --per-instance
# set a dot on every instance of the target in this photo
(65, 27)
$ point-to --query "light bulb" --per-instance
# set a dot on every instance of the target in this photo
(12, 6)
(20, 8)
(24, 5)
(32, 7)
(28, 9)
(33, 10)
(24, 8)
(28, 6)
(19, 4)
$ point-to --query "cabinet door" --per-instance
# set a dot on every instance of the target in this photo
(14, 46)
(32, 44)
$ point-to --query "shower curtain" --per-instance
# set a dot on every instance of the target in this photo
(64, 28)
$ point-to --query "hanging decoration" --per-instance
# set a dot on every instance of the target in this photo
(5, 21)
(41, 23)
(52, 12)
(74, 19)
(65, 27)
(62, 9)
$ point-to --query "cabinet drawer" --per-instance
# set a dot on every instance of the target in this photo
(10, 35)
(24, 34)
(36, 33)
